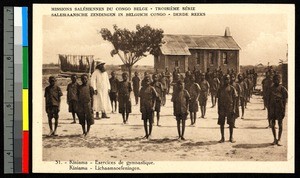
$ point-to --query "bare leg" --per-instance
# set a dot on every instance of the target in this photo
(231, 133)
(222, 134)
(127, 116)
(83, 128)
(146, 129)
(183, 129)
(73, 115)
(157, 116)
(274, 132)
(123, 116)
(55, 125)
(191, 116)
(279, 132)
(178, 128)
(195, 117)
(50, 125)
(150, 128)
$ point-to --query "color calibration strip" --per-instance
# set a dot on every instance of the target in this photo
(25, 102)
(16, 124)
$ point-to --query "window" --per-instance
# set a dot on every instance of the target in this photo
(177, 63)
(210, 58)
(197, 55)
(224, 58)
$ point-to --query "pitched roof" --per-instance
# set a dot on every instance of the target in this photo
(180, 44)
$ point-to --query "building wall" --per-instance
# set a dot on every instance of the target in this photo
(200, 59)
(171, 61)
(232, 58)
(159, 63)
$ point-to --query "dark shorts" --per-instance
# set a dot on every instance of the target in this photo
(85, 113)
(113, 96)
(73, 106)
(52, 111)
(230, 120)
(202, 100)
(194, 107)
(242, 101)
(124, 104)
(213, 93)
(157, 105)
(147, 114)
(182, 116)
(273, 122)
(136, 92)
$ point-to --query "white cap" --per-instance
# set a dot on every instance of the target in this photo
(99, 61)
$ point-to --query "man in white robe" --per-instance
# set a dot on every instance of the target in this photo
(101, 85)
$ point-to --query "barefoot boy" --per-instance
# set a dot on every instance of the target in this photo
(243, 95)
(136, 86)
(159, 91)
(226, 107)
(52, 96)
(204, 86)
(124, 90)
(72, 96)
(276, 105)
(147, 104)
(180, 99)
(85, 112)
(113, 93)
(194, 92)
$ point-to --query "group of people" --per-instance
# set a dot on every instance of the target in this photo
(228, 91)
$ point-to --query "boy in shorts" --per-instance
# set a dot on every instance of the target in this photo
(147, 104)
(226, 107)
(204, 86)
(180, 99)
(136, 86)
(85, 111)
(243, 95)
(113, 93)
(159, 91)
(52, 96)
(276, 105)
(194, 92)
(72, 96)
(124, 90)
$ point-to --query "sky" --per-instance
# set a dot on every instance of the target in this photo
(262, 37)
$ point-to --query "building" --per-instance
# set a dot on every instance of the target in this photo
(189, 51)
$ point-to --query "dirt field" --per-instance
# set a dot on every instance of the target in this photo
(109, 139)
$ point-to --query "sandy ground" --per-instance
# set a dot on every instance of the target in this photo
(109, 139)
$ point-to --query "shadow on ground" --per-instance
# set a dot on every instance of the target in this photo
(251, 146)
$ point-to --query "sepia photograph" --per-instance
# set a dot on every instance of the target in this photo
(163, 88)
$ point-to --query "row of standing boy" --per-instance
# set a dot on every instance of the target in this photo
(230, 95)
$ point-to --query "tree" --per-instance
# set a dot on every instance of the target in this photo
(132, 46)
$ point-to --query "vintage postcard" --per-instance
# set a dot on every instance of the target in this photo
(163, 88)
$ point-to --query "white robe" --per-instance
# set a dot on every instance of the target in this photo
(100, 82)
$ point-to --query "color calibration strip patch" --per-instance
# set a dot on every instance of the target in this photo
(16, 123)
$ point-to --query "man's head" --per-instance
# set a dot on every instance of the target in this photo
(100, 65)
(202, 77)
(113, 74)
(155, 77)
(136, 73)
(240, 77)
(232, 78)
(276, 79)
(180, 85)
(52, 80)
(147, 80)
(226, 79)
(74, 78)
(84, 79)
(125, 76)
(192, 78)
